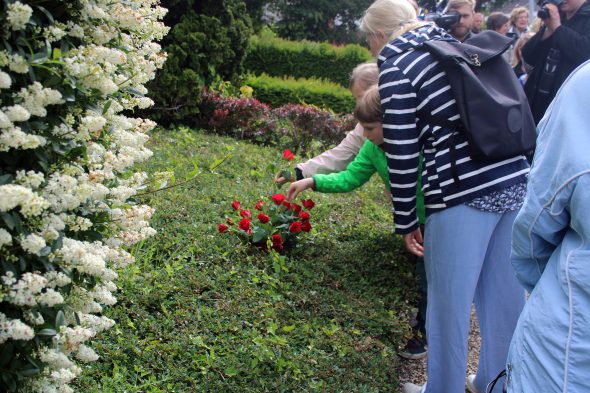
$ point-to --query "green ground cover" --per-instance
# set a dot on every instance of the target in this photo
(199, 313)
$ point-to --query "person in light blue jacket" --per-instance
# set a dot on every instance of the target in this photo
(550, 349)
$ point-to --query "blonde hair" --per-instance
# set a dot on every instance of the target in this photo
(536, 26)
(365, 74)
(516, 12)
(391, 17)
(517, 52)
(368, 108)
(455, 4)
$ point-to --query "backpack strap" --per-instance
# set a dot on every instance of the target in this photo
(446, 123)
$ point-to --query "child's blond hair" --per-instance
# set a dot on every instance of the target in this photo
(368, 108)
(517, 52)
(364, 74)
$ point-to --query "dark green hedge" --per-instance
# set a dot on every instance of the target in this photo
(207, 40)
(303, 59)
(276, 91)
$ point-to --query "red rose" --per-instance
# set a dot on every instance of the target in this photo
(246, 213)
(263, 218)
(296, 208)
(295, 227)
(278, 247)
(287, 205)
(222, 228)
(244, 224)
(288, 155)
(306, 226)
(235, 205)
(276, 239)
(304, 216)
(278, 198)
(307, 203)
(258, 205)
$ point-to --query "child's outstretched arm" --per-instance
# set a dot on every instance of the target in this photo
(301, 185)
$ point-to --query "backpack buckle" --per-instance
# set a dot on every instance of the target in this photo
(474, 57)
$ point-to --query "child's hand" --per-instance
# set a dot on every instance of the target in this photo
(299, 186)
(283, 176)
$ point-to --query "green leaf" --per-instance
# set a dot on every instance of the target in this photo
(47, 332)
(259, 234)
(8, 220)
(7, 354)
(5, 179)
(288, 329)
(56, 54)
(231, 372)
(60, 319)
(29, 371)
(134, 91)
(106, 106)
(44, 11)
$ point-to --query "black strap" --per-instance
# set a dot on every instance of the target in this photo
(452, 125)
(491, 385)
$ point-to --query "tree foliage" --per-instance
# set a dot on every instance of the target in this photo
(208, 39)
(320, 20)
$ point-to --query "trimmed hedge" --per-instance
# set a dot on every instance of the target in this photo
(303, 59)
(276, 91)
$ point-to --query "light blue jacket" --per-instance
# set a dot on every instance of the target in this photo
(550, 350)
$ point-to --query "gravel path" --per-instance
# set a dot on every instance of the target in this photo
(415, 370)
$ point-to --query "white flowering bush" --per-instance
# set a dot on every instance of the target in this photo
(71, 74)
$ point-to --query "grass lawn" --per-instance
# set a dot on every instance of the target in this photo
(198, 312)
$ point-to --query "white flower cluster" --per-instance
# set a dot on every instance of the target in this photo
(48, 210)
(18, 15)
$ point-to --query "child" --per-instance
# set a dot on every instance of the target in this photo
(334, 160)
(370, 159)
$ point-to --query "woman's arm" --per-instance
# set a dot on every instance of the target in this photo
(535, 235)
(337, 158)
(402, 149)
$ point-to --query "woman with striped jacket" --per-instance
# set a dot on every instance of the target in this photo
(469, 222)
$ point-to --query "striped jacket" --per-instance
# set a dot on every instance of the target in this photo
(411, 80)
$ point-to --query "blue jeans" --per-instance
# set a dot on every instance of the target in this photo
(467, 257)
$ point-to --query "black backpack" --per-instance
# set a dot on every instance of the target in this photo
(495, 114)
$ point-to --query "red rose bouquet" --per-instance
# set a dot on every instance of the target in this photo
(276, 223)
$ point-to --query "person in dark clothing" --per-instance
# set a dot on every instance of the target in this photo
(562, 44)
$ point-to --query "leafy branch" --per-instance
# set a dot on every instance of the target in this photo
(190, 176)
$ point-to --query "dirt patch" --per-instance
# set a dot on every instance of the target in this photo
(415, 370)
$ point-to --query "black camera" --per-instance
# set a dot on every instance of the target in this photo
(446, 20)
(543, 12)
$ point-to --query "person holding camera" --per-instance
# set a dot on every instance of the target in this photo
(562, 44)
(462, 29)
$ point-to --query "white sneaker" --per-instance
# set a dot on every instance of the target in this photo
(470, 384)
(411, 388)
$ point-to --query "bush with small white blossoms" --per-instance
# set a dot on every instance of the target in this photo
(71, 74)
